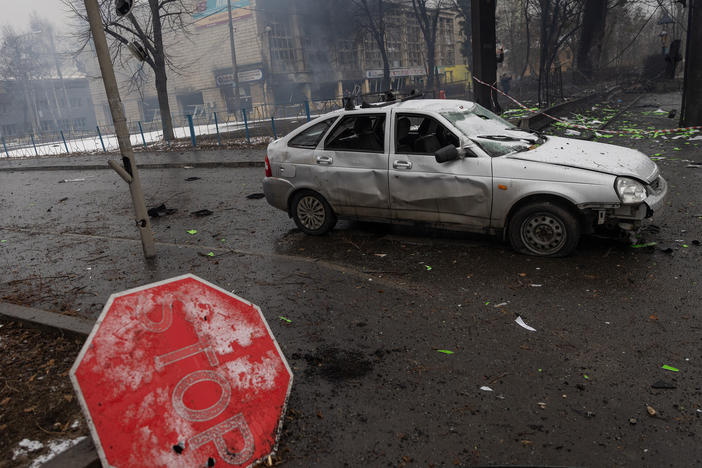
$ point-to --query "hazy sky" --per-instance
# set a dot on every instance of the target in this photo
(16, 12)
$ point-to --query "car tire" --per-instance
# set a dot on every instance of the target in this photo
(312, 213)
(544, 229)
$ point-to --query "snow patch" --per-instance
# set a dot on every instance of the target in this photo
(56, 447)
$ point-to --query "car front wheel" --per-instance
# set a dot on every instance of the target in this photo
(544, 229)
(312, 213)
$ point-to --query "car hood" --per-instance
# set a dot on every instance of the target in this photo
(600, 157)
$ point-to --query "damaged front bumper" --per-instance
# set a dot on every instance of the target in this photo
(627, 217)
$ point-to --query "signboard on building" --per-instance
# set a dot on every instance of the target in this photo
(182, 373)
(226, 78)
(397, 72)
(213, 12)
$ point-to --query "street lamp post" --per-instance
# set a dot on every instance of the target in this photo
(129, 172)
(235, 69)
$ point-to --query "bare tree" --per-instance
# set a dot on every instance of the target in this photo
(427, 13)
(373, 12)
(22, 61)
(148, 22)
(591, 37)
(559, 21)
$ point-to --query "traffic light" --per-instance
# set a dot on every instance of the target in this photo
(123, 7)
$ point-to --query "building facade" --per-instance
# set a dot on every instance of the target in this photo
(287, 52)
(45, 107)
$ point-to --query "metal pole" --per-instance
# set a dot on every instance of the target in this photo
(101, 142)
(484, 58)
(307, 110)
(64, 142)
(141, 129)
(246, 125)
(690, 112)
(273, 125)
(219, 138)
(235, 69)
(4, 146)
(192, 129)
(125, 146)
(35, 146)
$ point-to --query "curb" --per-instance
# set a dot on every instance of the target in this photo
(89, 167)
(46, 320)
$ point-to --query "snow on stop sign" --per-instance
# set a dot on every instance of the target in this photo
(182, 373)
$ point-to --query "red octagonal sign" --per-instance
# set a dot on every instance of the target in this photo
(182, 373)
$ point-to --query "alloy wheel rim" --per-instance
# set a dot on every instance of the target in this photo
(543, 234)
(310, 212)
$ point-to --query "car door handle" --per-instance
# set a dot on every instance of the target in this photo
(402, 164)
(326, 160)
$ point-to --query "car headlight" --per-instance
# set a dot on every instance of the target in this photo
(630, 191)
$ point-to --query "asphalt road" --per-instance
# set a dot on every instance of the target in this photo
(370, 306)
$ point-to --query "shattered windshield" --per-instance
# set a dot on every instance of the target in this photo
(495, 135)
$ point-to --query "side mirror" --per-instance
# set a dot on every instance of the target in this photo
(445, 154)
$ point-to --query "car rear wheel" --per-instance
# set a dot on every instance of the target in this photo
(544, 229)
(312, 213)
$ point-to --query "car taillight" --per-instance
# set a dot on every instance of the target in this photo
(269, 173)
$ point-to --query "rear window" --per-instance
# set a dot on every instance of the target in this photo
(311, 137)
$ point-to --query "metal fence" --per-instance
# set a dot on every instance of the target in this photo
(209, 129)
(256, 125)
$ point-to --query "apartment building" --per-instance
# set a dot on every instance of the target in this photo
(286, 52)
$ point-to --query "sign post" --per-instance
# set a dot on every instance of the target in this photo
(182, 373)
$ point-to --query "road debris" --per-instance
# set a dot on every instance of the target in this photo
(662, 384)
(444, 351)
(192, 232)
(521, 323)
(647, 244)
(72, 180)
(190, 179)
(485, 388)
(670, 368)
(255, 196)
(202, 213)
(160, 211)
(651, 411)
(284, 319)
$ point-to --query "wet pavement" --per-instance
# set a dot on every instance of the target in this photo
(371, 307)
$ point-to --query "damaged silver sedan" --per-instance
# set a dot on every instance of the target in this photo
(455, 165)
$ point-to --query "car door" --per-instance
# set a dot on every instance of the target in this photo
(352, 165)
(421, 189)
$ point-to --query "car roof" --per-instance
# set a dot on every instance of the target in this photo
(434, 105)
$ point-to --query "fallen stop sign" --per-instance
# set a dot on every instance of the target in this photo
(182, 373)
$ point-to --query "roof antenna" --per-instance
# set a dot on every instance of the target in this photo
(348, 103)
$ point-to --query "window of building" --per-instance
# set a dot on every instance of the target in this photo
(346, 56)
(446, 41)
(76, 102)
(282, 45)
(365, 133)
(414, 45)
(79, 123)
(371, 53)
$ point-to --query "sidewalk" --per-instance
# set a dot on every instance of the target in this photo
(251, 157)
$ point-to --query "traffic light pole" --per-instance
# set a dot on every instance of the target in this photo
(129, 171)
